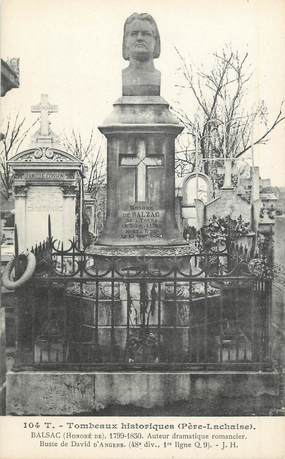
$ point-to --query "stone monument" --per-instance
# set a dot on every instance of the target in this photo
(195, 187)
(46, 181)
(141, 134)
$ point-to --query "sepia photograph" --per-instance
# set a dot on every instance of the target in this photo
(142, 191)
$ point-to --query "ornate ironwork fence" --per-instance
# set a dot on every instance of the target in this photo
(84, 311)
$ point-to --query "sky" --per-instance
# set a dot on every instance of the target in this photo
(71, 50)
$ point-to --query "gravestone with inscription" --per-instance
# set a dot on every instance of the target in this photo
(46, 181)
(141, 134)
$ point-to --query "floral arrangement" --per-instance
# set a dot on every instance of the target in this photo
(222, 230)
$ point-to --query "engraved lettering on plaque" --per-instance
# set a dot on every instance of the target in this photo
(46, 175)
(141, 221)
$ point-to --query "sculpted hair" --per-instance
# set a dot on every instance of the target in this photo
(141, 17)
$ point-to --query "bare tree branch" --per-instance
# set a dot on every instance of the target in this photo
(279, 118)
(14, 134)
(219, 121)
(89, 152)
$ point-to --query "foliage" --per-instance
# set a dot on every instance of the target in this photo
(143, 348)
(261, 267)
(189, 233)
(222, 230)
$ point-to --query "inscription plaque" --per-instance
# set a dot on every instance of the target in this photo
(141, 221)
(41, 199)
(46, 175)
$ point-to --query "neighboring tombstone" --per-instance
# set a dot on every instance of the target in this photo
(228, 202)
(46, 182)
(227, 185)
(89, 204)
(44, 136)
(200, 213)
(196, 191)
(255, 197)
(196, 186)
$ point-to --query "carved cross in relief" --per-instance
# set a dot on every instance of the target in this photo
(44, 108)
(141, 161)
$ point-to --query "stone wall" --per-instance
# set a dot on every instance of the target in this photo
(185, 393)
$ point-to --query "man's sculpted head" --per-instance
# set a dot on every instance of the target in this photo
(141, 40)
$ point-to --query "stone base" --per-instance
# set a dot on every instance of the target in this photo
(140, 251)
(195, 393)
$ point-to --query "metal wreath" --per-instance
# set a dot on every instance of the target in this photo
(29, 271)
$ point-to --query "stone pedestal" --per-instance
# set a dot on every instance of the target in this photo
(46, 181)
(141, 133)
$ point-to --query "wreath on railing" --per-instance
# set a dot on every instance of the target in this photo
(221, 231)
(26, 262)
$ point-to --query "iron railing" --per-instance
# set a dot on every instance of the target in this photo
(206, 310)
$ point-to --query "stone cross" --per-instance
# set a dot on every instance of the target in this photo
(226, 170)
(44, 108)
(141, 161)
(228, 173)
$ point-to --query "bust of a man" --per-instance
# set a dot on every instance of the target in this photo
(141, 44)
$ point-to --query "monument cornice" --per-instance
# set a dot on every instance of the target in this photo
(44, 165)
(146, 111)
(141, 100)
(38, 182)
(160, 128)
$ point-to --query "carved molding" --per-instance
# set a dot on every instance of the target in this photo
(69, 191)
(44, 154)
(151, 251)
(20, 191)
